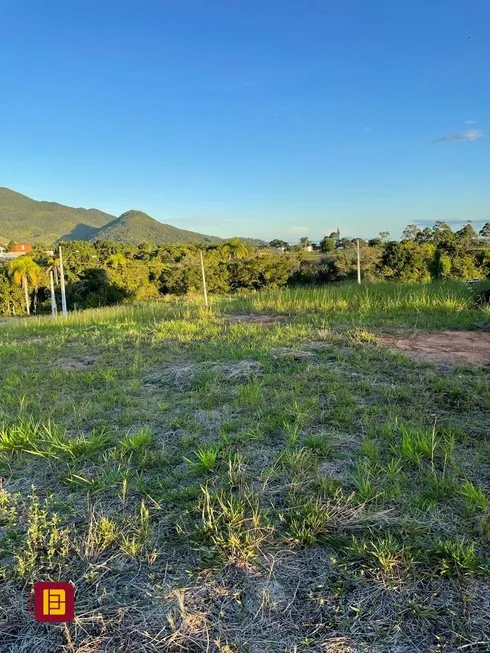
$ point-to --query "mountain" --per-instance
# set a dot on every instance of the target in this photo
(136, 227)
(25, 219)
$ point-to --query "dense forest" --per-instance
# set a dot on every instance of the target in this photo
(105, 273)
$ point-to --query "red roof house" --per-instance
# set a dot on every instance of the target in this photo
(21, 247)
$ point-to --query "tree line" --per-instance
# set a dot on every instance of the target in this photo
(105, 273)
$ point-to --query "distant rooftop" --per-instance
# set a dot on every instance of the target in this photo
(21, 247)
(9, 256)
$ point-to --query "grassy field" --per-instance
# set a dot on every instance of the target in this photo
(210, 485)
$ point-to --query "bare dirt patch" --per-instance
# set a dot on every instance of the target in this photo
(76, 363)
(452, 347)
(257, 318)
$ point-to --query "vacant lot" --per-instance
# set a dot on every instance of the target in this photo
(214, 483)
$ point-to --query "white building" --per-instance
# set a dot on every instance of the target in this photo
(9, 256)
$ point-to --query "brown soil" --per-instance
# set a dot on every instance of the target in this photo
(257, 318)
(453, 347)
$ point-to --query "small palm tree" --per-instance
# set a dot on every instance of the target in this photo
(24, 270)
(304, 242)
(234, 248)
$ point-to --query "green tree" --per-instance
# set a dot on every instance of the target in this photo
(464, 266)
(116, 260)
(327, 244)
(78, 256)
(255, 273)
(181, 278)
(424, 236)
(343, 243)
(94, 289)
(411, 232)
(441, 265)
(105, 248)
(276, 270)
(23, 271)
(234, 248)
(467, 236)
(10, 295)
(442, 235)
(145, 252)
(304, 242)
(484, 232)
(134, 280)
(483, 262)
(344, 262)
(407, 261)
(277, 243)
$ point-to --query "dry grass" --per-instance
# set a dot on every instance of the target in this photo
(182, 375)
(210, 486)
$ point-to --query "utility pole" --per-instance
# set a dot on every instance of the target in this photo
(358, 263)
(64, 310)
(54, 308)
(204, 281)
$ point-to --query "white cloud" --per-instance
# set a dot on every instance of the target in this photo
(468, 135)
(470, 122)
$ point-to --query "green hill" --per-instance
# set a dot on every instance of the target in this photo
(25, 219)
(135, 227)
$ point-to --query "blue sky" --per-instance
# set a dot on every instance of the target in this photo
(244, 117)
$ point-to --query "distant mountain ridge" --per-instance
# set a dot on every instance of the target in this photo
(22, 218)
(25, 219)
(135, 227)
